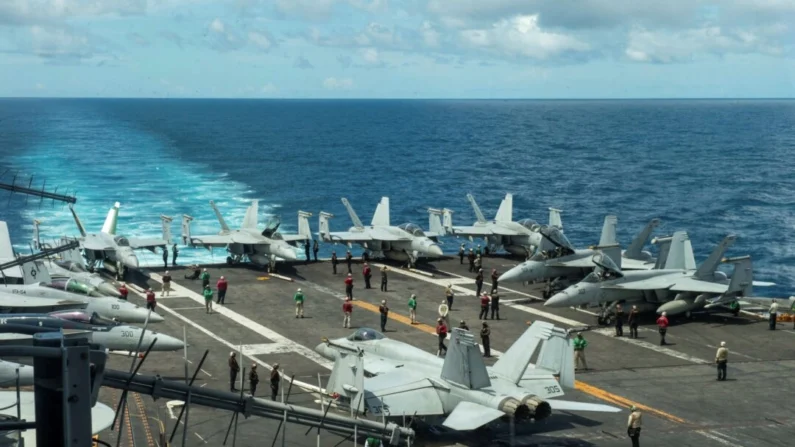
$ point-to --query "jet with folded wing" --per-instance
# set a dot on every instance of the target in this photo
(260, 247)
(116, 252)
(556, 257)
(459, 389)
(108, 333)
(518, 238)
(674, 289)
(404, 243)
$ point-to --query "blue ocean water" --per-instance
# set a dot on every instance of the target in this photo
(708, 167)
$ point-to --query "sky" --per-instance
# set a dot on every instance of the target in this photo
(398, 48)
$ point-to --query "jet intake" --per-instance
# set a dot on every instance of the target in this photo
(538, 408)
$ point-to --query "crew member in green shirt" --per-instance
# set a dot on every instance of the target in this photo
(579, 351)
(413, 308)
(208, 298)
(299, 304)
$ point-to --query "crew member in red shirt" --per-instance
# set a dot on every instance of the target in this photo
(367, 273)
(221, 286)
(347, 309)
(662, 325)
(150, 299)
(123, 291)
(441, 331)
(349, 286)
(484, 306)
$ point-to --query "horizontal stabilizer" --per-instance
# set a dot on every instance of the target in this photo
(469, 416)
(567, 405)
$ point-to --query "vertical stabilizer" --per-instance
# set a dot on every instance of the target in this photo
(250, 219)
(676, 253)
(165, 222)
(109, 227)
(381, 215)
(742, 282)
(354, 218)
(6, 249)
(707, 268)
(186, 229)
(347, 379)
(72, 255)
(554, 218)
(690, 259)
(221, 221)
(478, 214)
(463, 363)
(635, 249)
(34, 272)
(323, 227)
(505, 211)
(663, 246)
(447, 220)
(557, 356)
(303, 224)
(513, 364)
(79, 224)
(609, 232)
(36, 236)
(435, 222)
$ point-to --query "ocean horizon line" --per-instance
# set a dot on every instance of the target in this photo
(220, 98)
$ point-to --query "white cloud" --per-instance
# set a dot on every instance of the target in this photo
(59, 43)
(217, 26)
(259, 40)
(268, 89)
(370, 56)
(521, 36)
(430, 36)
(688, 45)
(306, 9)
(338, 83)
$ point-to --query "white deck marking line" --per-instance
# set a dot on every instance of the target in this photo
(234, 347)
(199, 436)
(266, 348)
(252, 325)
(733, 352)
(208, 374)
(660, 349)
(715, 438)
(188, 308)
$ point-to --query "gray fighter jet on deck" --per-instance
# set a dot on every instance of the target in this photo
(556, 256)
(260, 247)
(108, 333)
(518, 238)
(117, 253)
(460, 389)
(675, 289)
(404, 243)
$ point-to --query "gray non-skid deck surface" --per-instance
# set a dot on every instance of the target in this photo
(686, 406)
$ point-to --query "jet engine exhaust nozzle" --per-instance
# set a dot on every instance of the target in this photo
(512, 407)
(539, 409)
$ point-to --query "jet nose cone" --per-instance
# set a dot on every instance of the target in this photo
(107, 289)
(324, 350)
(434, 251)
(519, 273)
(156, 318)
(131, 261)
(168, 343)
(560, 299)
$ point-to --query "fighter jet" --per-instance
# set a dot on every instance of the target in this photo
(460, 389)
(556, 256)
(260, 247)
(675, 289)
(108, 333)
(116, 252)
(72, 266)
(518, 238)
(404, 243)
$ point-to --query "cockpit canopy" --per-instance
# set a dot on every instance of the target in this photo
(272, 226)
(365, 334)
(605, 269)
(530, 224)
(121, 241)
(414, 229)
(83, 317)
(557, 237)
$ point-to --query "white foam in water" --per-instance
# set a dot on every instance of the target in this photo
(137, 170)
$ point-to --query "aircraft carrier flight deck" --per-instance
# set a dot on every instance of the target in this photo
(675, 385)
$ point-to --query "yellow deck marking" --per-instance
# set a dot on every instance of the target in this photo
(581, 386)
(263, 278)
